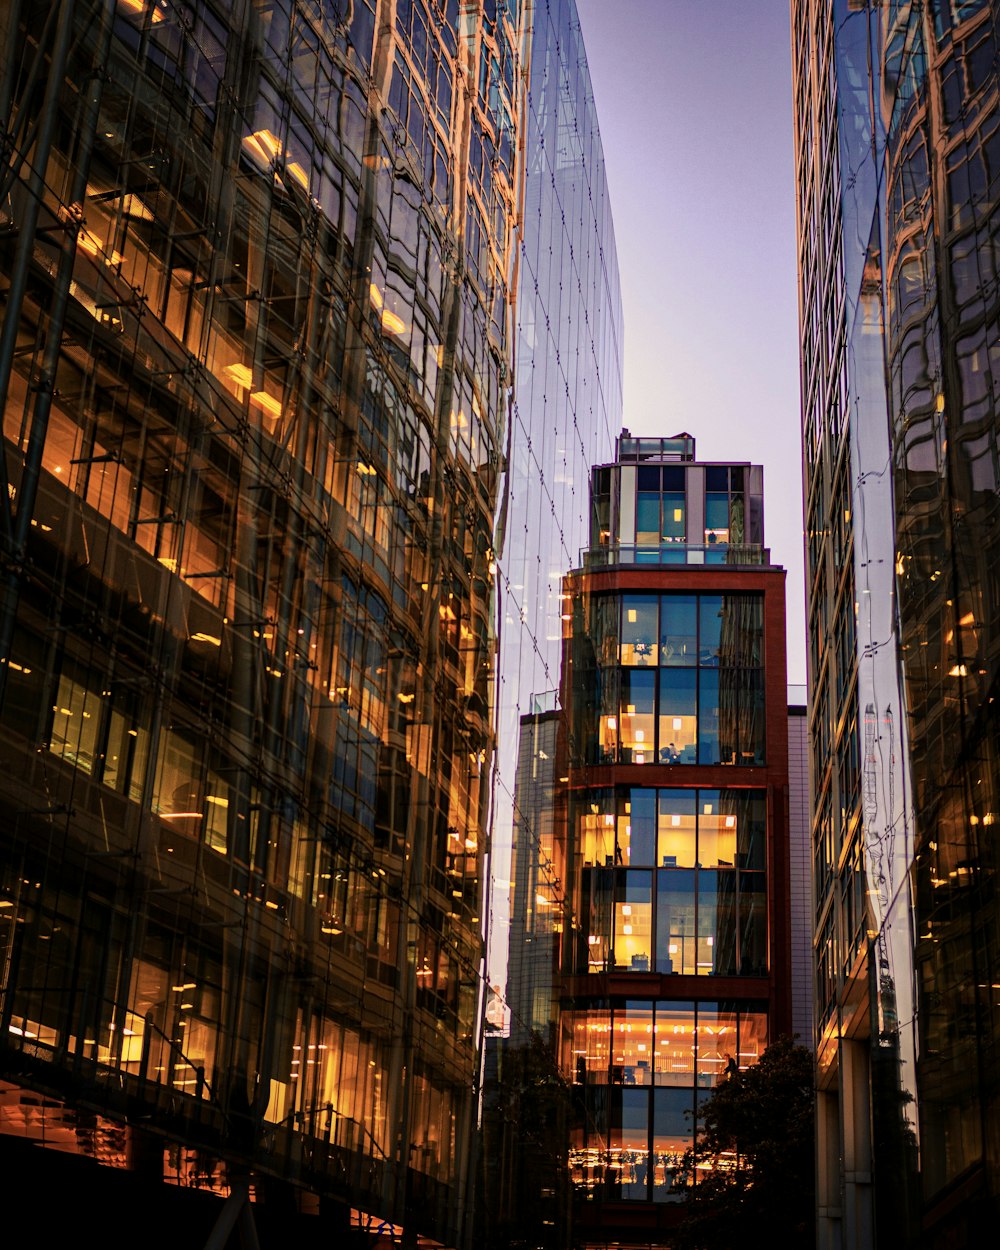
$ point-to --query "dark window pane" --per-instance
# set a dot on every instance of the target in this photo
(710, 612)
(647, 520)
(630, 1143)
(673, 1133)
(753, 1034)
(749, 808)
(637, 829)
(716, 946)
(638, 716)
(708, 719)
(752, 717)
(673, 517)
(675, 931)
(678, 630)
(753, 924)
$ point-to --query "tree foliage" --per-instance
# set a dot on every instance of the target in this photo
(751, 1175)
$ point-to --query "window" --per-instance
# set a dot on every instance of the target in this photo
(689, 675)
(688, 891)
(653, 1062)
(633, 947)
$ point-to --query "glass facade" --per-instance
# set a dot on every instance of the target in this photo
(643, 1068)
(566, 407)
(655, 507)
(687, 687)
(681, 872)
(896, 113)
(675, 955)
(268, 417)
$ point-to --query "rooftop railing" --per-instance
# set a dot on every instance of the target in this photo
(675, 553)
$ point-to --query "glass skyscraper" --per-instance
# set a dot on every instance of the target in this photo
(267, 394)
(567, 399)
(896, 118)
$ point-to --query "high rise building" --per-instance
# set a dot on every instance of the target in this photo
(566, 405)
(673, 926)
(259, 272)
(800, 867)
(896, 122)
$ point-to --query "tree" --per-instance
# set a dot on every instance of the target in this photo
(750, 1177)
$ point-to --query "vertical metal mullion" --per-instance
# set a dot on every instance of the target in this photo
(19, 283)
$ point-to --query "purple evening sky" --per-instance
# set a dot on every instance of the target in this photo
(695, 108)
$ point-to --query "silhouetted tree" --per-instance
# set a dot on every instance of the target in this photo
(751, 1175)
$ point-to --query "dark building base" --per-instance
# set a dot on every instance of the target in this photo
(53, 1198)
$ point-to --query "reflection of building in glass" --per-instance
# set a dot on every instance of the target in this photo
(897, 121)
(675, 930)
(566, 403)
(800, 867)
(538, 873)
(254, 371)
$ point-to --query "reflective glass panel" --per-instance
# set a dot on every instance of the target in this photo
(675, 928)
(673, 516)
(716, 518)
(637, 734)
(678, 709)
(637, 829)
(629, 1155)
(586, 1046)
(596, 829)
(717, 831)
(647, 519)
(753, 1035)
(639, 630)
(679, 630)
(710, 749)
(673, 1133)
(753, 924)
(710, 616)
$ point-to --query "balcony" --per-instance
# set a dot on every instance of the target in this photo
(675, 553)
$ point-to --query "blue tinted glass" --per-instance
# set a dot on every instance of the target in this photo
(710, 614)
(708, 719)
(641, 827)
(678, 716)
(673, 515)
(647, 518)
(633, 1143)
(717, 513)
(679, 630)
(675, 927)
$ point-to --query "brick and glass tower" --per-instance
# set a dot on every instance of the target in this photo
(675, 964)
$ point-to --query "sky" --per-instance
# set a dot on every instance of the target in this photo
(694, 101)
